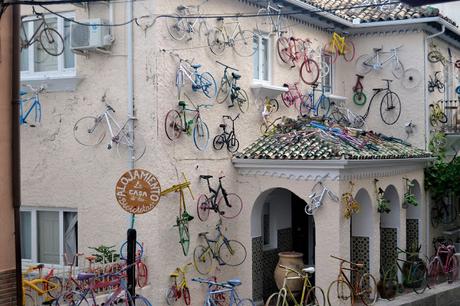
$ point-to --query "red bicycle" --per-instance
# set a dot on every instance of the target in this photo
(179, 288)
(443, 262)
(293, 96)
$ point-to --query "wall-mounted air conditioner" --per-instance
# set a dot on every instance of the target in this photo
(90, 36)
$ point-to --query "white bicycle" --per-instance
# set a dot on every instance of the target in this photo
(316, 199)
(187, 22)
(269, 20)
(90, 131)
(365, 63)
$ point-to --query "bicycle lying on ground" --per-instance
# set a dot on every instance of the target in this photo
(390, 104)
(227, 205)
(227, 138)
(316, 200)
(90, 131)
(223, 250)
(227, 288)
(35, 106)
(179, 289)
(365, 63)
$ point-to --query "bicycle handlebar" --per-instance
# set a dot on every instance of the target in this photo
(226, 66)
(233, 119)
(359, 265)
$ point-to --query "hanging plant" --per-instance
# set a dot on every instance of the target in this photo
(409, 197)
(351, 205)
(383, 204)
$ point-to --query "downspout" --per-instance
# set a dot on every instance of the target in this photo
(130, 77)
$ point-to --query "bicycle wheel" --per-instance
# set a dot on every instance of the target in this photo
(184, 238)
(233, 208)
(139, 300)
(282, 45)
(177, 27)
(88, 131)
(208, 85)
(223, 92)
(246, 302)
(124, 250)
(287, 98)
(411, 78)
(434, 271)
(331, 49)
(218, 142)
(364, 64)
(173, 125)
(452, 269)
(434, 56)
(142, 274)
(29, 300)
(390, 108)
(54, 286)
(418, 278)
(324, 106)
(232, 252)
(216, 41)
(202, 259)
(242, 100)
(305, 106)
(200, 135)
(359, 98)
(315, 297)
(203, 206)
(339, 293)
(244, 43)
(324, 71)
(233, 144)
(73, 298)
(276, 300)
(397, 69)
(186, 295)
(274, 105)
(368, 289)
(129, 142)
(263, 22)
(51, 41)
(349, 50)
(309, 71)
(171, 295)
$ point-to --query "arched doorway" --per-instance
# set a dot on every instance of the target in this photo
(413, 217)
(278, 224)
(389, 229)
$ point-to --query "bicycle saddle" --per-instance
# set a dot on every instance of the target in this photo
(309, 270)
(378, 89)
(377, 49)
(234, 282)
(182, 104)
(195, 66)
(223, 125)
(206, 177)
(203, 234)
(236, 76)
(387, 80)
(85, 276)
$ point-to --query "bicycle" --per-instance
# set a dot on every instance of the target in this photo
(176, 123)
(365, 63)
(228, 206)
(364, 286)
(178, 290)
(225, 83)
(316, 200)
(227, 138)
(90, 131)
(269, 20)
(359, 97)
(311, 295)
(35, 106)
(340, 45)
(223, 250)
(345, 117)
(437, 115)
(350, 203)
(443, 262)
(435, 55)
(199, 81)
(48, 287)
(293, 96)
(228, 287)
(240, 40)
(319, 107)
(443, 213)
(50, 40)
(435, 83)
(141, 267)
(390, 104)
(184, 217)
(268, 127)
(184, 24)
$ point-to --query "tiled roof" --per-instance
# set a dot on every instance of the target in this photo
(351, 9)
(300, 140)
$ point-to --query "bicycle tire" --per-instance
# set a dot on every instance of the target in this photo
(362, 64)
(216, 41)
(331, 49)
(434, 271)
(232, 143)
(234, 207)
(370, 294)
(434, 56)
(412, 78)
(223, 92)
(29, 300)
(309, 71)
(218, 142)
(177, 27)
(173, 125)
(56, 290)
(88, 127)
(243, 43)
(418, 276)
(324, 69)
(140, 300)
(170, 296)
(51, 41)
(324, 106)
(276, 300)
(232, 253)
(202, 207)
(139, 250)
(397, 69)
(349, 52)
(186, 295)
(343, 292)
(433, 120)
(73, 298)
(315, 297)
(242, 100)
(359, 98)
(390, 111)
(283, 48)
(442, 117)
(274, 105)
(440, 87)
(305, 106)
(246, 302)
(142, 274)
(184, 238)
(202, 260)
(452, 269)
(200, 135)
(128, 142)
(263, 22)
(287, 99)
(208, 85)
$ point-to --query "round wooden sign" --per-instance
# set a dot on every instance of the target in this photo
(138, 191)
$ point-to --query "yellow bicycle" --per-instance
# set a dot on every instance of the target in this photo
(179, 289)
(351, 205)
(340, 45)
(436, 114)
(311, 295)
(50, 288)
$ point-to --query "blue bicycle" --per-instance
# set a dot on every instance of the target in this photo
(320, 107)
(204, 81)
(35, 106)
(220, 290)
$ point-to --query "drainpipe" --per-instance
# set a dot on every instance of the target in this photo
(130, 63)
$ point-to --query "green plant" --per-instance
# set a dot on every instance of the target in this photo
(437, 144)
(383, 204)
(105, 253)
(409, 197)
(442, 178)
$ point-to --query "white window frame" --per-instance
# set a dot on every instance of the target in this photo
(33, 222)
(61, 72)
(330, 75)
(260, 80)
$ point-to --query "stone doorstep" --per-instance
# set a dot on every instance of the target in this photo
(442, 295)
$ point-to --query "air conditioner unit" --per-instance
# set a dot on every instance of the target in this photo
(90, 36)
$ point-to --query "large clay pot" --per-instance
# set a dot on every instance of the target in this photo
(292, 260)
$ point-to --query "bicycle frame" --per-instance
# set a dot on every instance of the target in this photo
(109, 119)
(338, 41)
(236, 29)
(376, 63)
(36, 106)
(286, 292)
(192, 75)
(275, 23)
(213, 249)
(209, 301)
(26, 42)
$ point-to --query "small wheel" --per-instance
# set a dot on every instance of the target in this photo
(128, 143)
(177, 27)
(411, 78)
(233, 208)
(263, 22)
(223, 92)
(242, 100)
(274, 105)
(203, 206)
(309, 71)
(349, 51)
(202, 259)
(216, 41)
(359, 98)
(173, 125)
(398, 69)
(51, 41)
(232, 252)
(218, 142)
(434, 56)
(54, 286)
(171, 295)
(186, 295)
(200, 135)
(341, 291)
(390, 108)
(315, 297)
(142, 274)
(244, 43)
(276, 300)
(419, 278)
(284, 50)
(368, 289)
(184, 238)
(364, 64)
(208, 85)
(233, 144)
(89, 131)
(124, 251)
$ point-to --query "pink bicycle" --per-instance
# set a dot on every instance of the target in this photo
(293, 96)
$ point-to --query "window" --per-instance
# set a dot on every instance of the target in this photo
(326, 60)
(35, 62)
(47, 234)
(261, 59)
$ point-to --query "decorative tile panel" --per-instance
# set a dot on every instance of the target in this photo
(412, 233)
(388, 244)
(360, 252)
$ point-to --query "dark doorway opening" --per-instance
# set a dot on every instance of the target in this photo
(303, 231)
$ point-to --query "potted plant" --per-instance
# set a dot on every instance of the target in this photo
(383, 204)
(409, 197)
